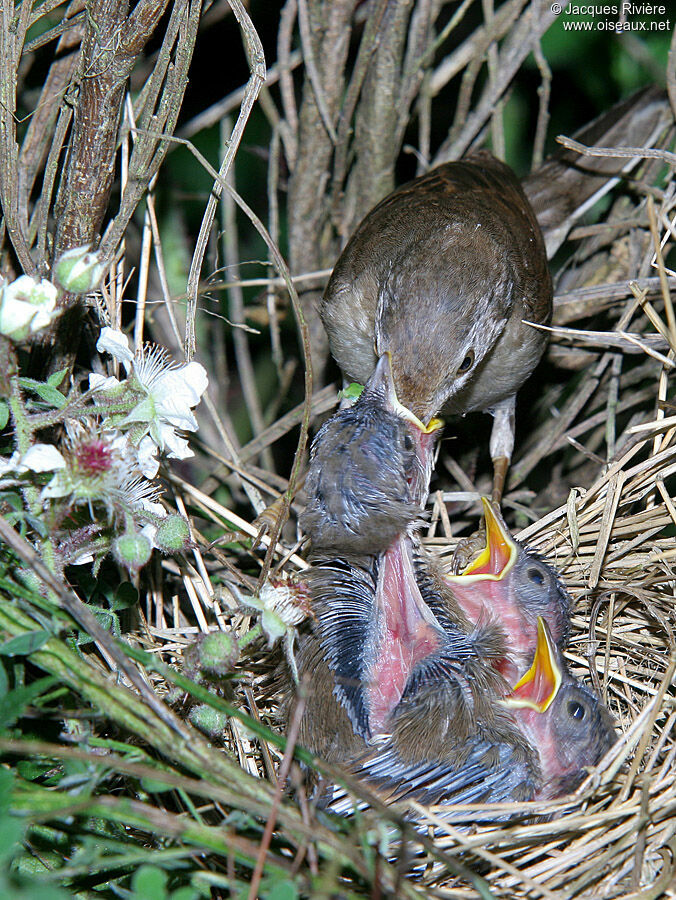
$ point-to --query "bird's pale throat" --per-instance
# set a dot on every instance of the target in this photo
(405, 632)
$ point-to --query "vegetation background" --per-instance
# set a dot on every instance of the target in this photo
(218, 155)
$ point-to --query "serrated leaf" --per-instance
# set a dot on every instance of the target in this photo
(13, 704)
(51, 395)
(56, 379)
(44, 391)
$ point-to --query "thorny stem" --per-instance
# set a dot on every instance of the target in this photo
(22, 430)
(79, 410)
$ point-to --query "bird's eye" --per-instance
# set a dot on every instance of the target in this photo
(467, 363)
(535, 575)
(576, 710)
(408, 443)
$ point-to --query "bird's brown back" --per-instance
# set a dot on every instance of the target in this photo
(427, 262)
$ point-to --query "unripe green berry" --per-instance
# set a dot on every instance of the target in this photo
(132, 550)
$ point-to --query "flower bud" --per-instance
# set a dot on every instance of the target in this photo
(218, 653)
(26, 306)
(209, 721)
(78, 271)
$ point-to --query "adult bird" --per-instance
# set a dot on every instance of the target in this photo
(444, 271)
(443, 274)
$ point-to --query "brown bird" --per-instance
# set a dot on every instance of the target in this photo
(442, 274)
(370, 467)
(445, 269)
(511, 585)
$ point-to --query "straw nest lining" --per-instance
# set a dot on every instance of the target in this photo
(610, 535)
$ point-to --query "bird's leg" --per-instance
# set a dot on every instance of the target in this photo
(502, 443)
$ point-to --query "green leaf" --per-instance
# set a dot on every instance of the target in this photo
(6, 785)
(45, 391)
(150, 883)
(155, 787)
(32, 769)
(13, 704)
(352, 392)
(280, 890)
(126, 596)
(11, 833)
(186, 893)
(24, 644)
(56, 379)
(4, 414)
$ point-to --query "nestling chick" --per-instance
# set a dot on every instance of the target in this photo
(369, 472)
(509, 584)
(556, 729)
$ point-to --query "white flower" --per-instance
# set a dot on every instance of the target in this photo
(38, 458)
(117, 344)
(9, 465)
(43, 458)
(148, 462)
(168, 394)
(82, 560)
(101, 383)
(26, 306)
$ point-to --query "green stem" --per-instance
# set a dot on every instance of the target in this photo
(22, 430)
(250, 636)
(78, 411)
(23, 435)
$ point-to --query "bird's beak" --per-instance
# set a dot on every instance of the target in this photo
(497, 557)
(540, 685)
(424, 437)
(382, 382)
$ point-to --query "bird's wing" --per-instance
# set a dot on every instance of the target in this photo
(343, 595)
(491, 773)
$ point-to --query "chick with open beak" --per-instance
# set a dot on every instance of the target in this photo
(511, 585)
(566, 722)
(536, 744)
(369, 471)
(375, 632)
